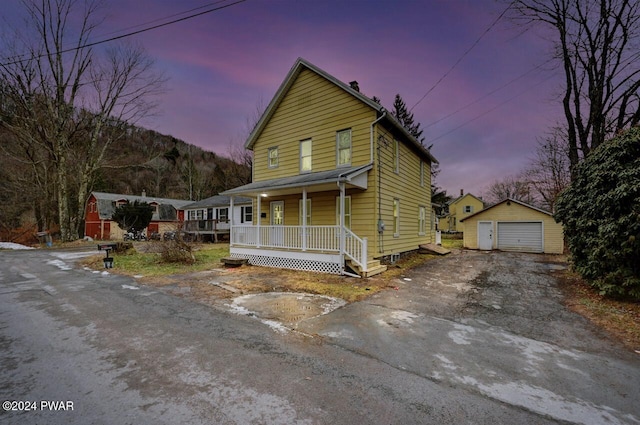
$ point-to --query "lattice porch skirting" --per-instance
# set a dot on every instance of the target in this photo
(307, 261)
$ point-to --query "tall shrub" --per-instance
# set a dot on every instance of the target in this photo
(601, 215)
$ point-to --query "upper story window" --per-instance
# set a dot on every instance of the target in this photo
(343, 147)
(92, 207)
(273, 157)
(468, 208)
(396, 157)
(305, 156)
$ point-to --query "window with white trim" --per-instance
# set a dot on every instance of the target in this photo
(468, 209)
(305, 156)
(343, 147)
(246, 214)
(273, 157)
(396, 157)
(422, 220)
(308, 211)
(347, 211)
(396, 217)
(223, 214)
(195, 214)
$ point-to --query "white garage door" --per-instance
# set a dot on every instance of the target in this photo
(520, 236)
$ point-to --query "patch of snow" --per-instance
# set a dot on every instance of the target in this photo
(130, 287)
(11, 245)
(72, 255)
(59, 264)
(137, 276)
(404, 316)
(104, 273)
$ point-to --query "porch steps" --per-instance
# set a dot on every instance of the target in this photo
(373, 268)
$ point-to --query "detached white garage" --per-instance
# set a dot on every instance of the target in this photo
(513, 226)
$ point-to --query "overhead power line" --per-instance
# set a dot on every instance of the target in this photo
(493, 109)
(129, 34)
(508, 83)
(475, 43)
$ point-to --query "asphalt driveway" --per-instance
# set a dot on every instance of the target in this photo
(495, 324)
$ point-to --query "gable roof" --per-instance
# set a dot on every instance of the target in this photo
(508, 200)
(297, 68)
(166, 207)
(218, 201)
(459, 198)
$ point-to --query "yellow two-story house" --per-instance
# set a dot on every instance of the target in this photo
(460, 208)
(338, 184)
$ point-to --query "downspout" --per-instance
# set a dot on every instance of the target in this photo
(379, 194)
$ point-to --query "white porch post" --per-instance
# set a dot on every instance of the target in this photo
(304, 218)
(231, 221)
(342, 232)
(258, 222)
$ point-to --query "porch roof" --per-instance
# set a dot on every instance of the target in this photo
(318, 181)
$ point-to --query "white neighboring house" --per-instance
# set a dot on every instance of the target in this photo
(209, 219)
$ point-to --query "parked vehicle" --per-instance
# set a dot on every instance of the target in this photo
(132, 235)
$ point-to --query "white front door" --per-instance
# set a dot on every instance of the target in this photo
(485, 235)
(277, 221)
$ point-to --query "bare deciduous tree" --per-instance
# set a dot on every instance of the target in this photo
(69, 101)
(597, 43)
(510, 188)
(548, 171)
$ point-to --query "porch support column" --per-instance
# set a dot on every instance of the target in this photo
(304, 218)
(342, 232)
(258, 222)
(231, 221)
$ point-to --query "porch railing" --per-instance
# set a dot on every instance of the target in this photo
(205, 225)
(298, 238)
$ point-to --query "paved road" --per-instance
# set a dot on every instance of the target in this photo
(122, 353)
(495, 324)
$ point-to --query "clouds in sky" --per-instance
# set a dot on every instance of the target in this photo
(223, 65)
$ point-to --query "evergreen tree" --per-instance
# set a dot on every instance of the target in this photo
(402, 114)
(134, 216)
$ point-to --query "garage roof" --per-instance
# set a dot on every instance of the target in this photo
(508, 200)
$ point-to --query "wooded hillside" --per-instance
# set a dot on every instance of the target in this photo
(142, 159)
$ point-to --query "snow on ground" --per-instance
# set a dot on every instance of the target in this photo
(11, 245)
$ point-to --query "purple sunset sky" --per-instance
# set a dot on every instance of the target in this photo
(221, 66)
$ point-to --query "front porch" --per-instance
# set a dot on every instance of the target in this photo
(325, 249)
(282, 234)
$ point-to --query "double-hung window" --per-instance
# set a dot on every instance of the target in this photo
(308, 222)
(246, 214)
(422, 220)
(305, 156)
(343, 147)
(347, 211)
(396, 157)
(396, 218)
(273, 157)
(223, 214)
